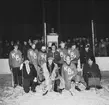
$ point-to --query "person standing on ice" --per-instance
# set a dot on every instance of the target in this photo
(69, 73)
(15, 60)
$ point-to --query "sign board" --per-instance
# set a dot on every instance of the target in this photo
(52, 38)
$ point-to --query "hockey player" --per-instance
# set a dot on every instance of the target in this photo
(74, 54)
(15, 60)
(32, 55)
(29, 76)
(63, 52)
(69, 73)
(41, 60)
(42, 56)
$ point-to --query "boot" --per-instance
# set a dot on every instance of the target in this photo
(45, 92)
(77, 88)
(87, 88)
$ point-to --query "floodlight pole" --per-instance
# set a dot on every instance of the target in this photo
(45, 35)
(44, 23)
(93, 37)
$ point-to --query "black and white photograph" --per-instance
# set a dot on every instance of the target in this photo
(54, 52)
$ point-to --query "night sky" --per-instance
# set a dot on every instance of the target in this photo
(23, 19)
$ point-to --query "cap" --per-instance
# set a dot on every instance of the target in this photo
(50, 58)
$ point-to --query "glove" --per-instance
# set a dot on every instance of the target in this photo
(35, 79)
(21, 66)
(89, 74)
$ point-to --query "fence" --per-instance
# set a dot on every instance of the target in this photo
(103, 63)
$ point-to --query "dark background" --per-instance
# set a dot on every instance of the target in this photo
(23, 19)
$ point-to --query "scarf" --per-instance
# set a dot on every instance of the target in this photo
(27, 68)
(50, 67)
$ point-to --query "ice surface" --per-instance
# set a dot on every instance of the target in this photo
(10, 96)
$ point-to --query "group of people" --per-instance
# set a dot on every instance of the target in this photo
(55, 68)
(101, 45)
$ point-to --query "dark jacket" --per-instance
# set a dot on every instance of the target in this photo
(55, 55)
(91, 71)
(85, 55)
(32, 74)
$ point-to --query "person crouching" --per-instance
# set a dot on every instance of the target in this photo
(29, 76)
(50, 70)
(69, 73)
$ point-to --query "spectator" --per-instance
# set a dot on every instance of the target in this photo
(107, 46)
(19, 45)
(25, 49)
(1, 49)
(102, 48)
(85, 54)
(6, 49)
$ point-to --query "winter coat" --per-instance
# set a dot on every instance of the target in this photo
(32, 73)
(55, 55)
(102, 49)
(85, 55)
(91, 71)
(41, 58)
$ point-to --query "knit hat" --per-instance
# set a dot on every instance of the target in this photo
(50, 57)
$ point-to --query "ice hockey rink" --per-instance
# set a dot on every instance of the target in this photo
(11, 96)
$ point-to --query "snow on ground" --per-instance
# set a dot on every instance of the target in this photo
(10, 96)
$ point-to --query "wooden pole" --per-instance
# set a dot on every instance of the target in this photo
(59, 26)
(45, 36)
(93, 37)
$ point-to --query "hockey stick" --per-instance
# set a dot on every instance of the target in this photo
(12, 78)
